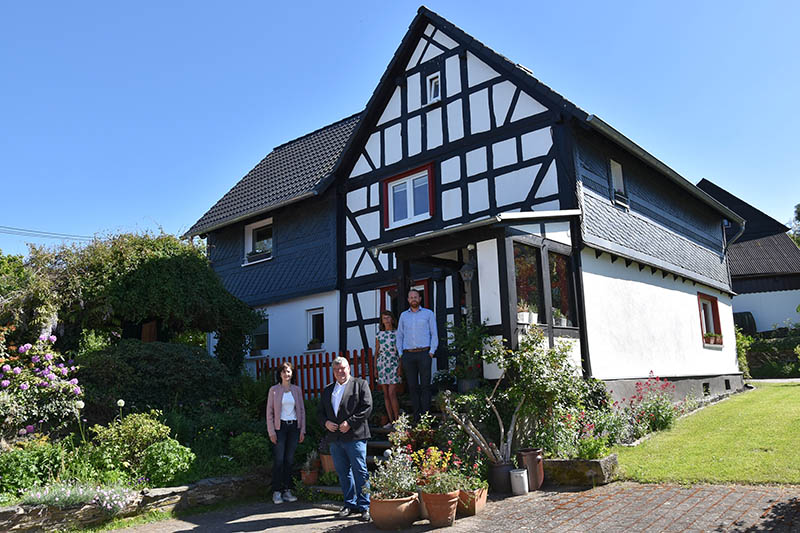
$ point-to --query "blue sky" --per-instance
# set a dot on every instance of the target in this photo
(138, 116)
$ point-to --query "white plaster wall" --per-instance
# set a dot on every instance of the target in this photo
(770, 309)
(639, 322)
(489, 282)
(288, 323)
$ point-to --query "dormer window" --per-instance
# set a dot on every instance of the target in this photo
(258, 241)
(434, 88)
(617, 182)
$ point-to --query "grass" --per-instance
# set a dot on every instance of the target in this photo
(751, 438)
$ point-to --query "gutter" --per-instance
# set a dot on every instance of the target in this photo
(289, 201)
(682, 182)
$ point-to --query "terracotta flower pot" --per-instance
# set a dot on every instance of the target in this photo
(398, 513)
(309, 477)
(441, 508)
(327, 462)
(471, 502)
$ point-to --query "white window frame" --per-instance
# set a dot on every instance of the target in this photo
(409, 181)
(310, 313)
(249, 229)
(265, 318)
(617, 177)
(429, 83)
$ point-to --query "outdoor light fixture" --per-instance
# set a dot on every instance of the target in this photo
(467, 271)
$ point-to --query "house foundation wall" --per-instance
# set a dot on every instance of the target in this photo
(694, 386)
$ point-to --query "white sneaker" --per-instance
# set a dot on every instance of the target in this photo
(276, 497)
(289, 497)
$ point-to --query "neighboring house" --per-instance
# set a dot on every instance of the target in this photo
(765, 267)
(469, 179)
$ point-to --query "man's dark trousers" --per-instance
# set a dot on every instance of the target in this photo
(417, 368)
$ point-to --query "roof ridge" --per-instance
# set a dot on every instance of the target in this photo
(305, 135)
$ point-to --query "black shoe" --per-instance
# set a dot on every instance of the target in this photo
(344, 512)
(365, 517)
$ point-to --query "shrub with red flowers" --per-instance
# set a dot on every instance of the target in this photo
(651, 408)
(38, 392)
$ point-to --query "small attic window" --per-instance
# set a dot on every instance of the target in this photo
(618, 183)
(434, 88)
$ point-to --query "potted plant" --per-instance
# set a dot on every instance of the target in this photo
(441, 496)
(394, 503)
(523, 312)
(325, 456)
(314, 344)
(558, 318)
(708, 338)
(309, 472)
(717, 339)
(472, 495)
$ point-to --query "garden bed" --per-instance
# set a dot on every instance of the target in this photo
(581, 472)
(205, 492)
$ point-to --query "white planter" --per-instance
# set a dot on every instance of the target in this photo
(534, 318)
(523, 317)
(519, 481)
(491, 370)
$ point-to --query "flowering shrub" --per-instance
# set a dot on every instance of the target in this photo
(111, 499)
(651, 408)
(38, 389)
(429, 462)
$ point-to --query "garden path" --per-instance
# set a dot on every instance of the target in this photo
(615, 508)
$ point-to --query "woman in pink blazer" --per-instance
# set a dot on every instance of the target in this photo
(286, 424)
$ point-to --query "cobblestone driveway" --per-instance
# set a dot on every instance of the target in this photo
(615, 508)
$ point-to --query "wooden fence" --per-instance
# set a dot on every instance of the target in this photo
(314, 370)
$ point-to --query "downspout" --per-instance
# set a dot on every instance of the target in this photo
(735, 237)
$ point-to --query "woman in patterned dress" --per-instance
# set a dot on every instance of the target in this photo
(388, 363)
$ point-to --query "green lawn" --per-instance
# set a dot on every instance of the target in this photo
(752, 437)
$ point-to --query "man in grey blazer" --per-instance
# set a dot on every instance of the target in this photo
(344, 411)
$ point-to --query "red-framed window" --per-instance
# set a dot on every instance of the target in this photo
(408, 197)
(390, 298)
(709, 318)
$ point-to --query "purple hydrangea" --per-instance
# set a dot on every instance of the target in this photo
(35, 359)
(30, 429)
(48, 356)
(42, 337)
(5, 383)
(77, 391)
(22, 432)
(6, 368)
(73, 381)
(53, 338)
(64, 371)
(51, 376)
(24, 386)
(60, 365)
(22, 349)
(17, 370)
(44, 383)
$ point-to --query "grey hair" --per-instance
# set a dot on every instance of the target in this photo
(339, 360)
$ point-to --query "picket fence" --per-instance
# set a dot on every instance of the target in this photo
(314, 370)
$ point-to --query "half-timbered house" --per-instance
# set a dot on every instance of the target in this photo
(469, 179)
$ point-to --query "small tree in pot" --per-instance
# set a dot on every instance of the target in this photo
(542, 379)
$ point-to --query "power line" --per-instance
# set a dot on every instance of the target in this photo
(43, 234)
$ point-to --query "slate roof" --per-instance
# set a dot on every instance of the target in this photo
(758, 225)
(775, 254)
(290, 172)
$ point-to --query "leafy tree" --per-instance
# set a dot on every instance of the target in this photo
(131, 279)
(794, 233)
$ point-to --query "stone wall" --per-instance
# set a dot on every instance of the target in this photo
(204, 492)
